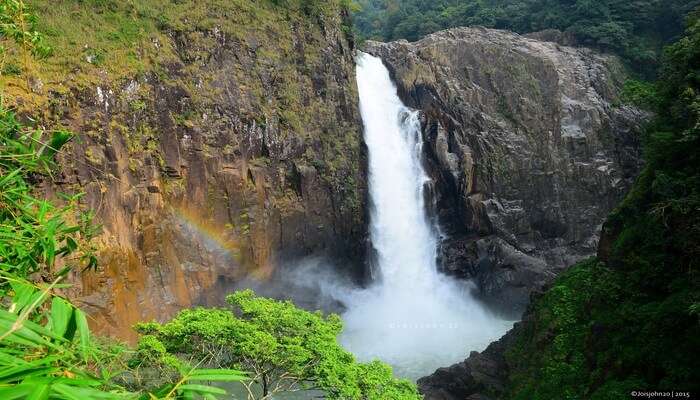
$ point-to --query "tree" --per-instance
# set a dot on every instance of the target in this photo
(285, 348)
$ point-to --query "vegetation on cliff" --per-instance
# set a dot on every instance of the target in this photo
(629, 320)
(634, 29)
(124, 38)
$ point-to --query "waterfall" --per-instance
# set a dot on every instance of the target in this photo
(413, 317)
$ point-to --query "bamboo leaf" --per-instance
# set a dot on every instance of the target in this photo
(187, 395)
(58, 139)
(25, 328)
(222, 375)
(204, 371)
(25, 294)
(20, 334)
(40, 392)
(83, 332)
(71, 244)
(202, 389)
(15, 392)
(61, 313)
(68, 392)
(8, 359)
(26, 372)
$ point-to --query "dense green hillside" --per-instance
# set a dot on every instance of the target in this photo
(634, 29)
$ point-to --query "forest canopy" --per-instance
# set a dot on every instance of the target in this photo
(636, 30)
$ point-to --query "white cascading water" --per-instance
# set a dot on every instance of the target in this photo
(413, 318)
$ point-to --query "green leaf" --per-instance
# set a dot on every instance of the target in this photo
(187, 395)
(8, 359)
(83, 333)
(61, 313)
(68, 392)
(58, 139)
(21, 334)
(202, 389)
(224, 375)
(15, 392)
(27, 328)
(25, 294)
(72, 392)
(4, 180)
(220, 371)
(71, 244)
(25, 372)
(40, 392)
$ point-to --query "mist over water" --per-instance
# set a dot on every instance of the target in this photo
(413, 317)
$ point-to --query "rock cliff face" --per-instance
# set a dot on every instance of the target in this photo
(528, 148)
(239, 149)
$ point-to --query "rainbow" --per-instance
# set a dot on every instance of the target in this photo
(220, 239)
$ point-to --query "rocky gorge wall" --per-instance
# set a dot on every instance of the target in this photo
(233, 149)
(528, 147)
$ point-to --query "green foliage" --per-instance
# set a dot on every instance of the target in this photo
(640, 94)
(33, 232)
(630, 321)
(47, 350)
(125, 38)
(34, 236)
(19, 38)
(285, 348)
(18, 26)
(314, 8)
(635, 29)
